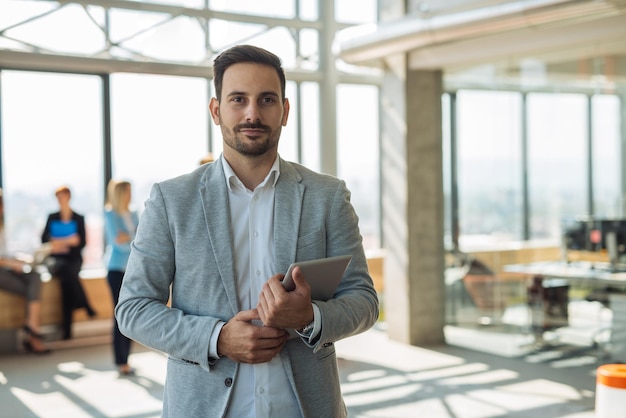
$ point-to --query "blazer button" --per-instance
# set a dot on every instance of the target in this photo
(228, 382)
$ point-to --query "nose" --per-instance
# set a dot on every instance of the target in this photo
(253, 113)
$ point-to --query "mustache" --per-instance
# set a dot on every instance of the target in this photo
(255, 125)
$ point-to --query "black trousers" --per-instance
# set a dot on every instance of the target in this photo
(121, 343)
(72, 293)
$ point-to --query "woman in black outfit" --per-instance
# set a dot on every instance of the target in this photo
(65, 230)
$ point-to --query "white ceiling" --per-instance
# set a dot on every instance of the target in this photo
(549, 42)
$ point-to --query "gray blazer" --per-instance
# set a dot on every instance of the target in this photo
(184, 242)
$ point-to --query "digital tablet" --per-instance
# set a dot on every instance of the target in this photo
(323, 275)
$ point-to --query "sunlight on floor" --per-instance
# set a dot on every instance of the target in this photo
(102, 393)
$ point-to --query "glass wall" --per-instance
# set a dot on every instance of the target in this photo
(159, 128)
(52, 135)
(357, 142)
(572, 140)
(58, 128)
(605, 123)
(489, 166)
(558, 169)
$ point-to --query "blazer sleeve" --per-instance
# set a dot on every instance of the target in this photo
(355, 305)
(142, 311)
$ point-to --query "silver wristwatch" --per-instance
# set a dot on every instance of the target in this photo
(308, 329)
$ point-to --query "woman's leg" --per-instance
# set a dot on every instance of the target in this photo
(121, 343)
(32, 282)
(74, 297)
(34, 337)
(64, 271)
(28, 286)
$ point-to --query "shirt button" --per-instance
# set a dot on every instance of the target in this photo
(261, 391)
(228, 382)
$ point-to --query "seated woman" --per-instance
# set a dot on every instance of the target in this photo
(17, 277)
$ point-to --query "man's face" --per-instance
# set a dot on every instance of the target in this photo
(251, 112)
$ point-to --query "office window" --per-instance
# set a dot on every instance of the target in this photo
(357, 144)
(277, 8)
(157, 36)
(346, 11)
(309, 111)
(280, 40)
(52, 136)
(446, 138)
(288, 144)
(197, 4)
(489, 167)
(308, 10)
(607, 181)
(557, 172)
(160, 125)
(159, 128)
(46, 27)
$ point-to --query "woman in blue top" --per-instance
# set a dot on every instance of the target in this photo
(120, 224)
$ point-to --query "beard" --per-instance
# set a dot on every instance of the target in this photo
(250, 147)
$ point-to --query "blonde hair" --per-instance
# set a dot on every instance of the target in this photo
(63, 189)
(115, 193)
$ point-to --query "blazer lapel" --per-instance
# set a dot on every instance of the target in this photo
(214, 195)
(287, 211)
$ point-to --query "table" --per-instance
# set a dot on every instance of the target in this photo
(595, 275)
(579, 272)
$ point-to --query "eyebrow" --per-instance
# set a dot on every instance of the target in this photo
(263, 93)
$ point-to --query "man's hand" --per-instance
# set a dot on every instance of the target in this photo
(244, 342)
(281, 309)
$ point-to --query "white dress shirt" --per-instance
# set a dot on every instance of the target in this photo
(252, 215)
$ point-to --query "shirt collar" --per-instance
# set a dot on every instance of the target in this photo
(233, 181)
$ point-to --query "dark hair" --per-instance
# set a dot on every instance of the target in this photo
(245, 53)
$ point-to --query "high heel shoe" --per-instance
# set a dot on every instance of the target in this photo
(126, 370)
(28, 330)
(28, 345)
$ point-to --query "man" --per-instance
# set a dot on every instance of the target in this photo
(223, 236)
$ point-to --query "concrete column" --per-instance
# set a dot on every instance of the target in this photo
(622, 100)
(328, 91)
(412, 195)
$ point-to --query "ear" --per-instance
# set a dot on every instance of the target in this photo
(214, 108)
(285, 112)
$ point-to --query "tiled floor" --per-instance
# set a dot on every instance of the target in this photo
(380, 378)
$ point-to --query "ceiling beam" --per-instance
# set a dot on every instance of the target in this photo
(413, 33)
